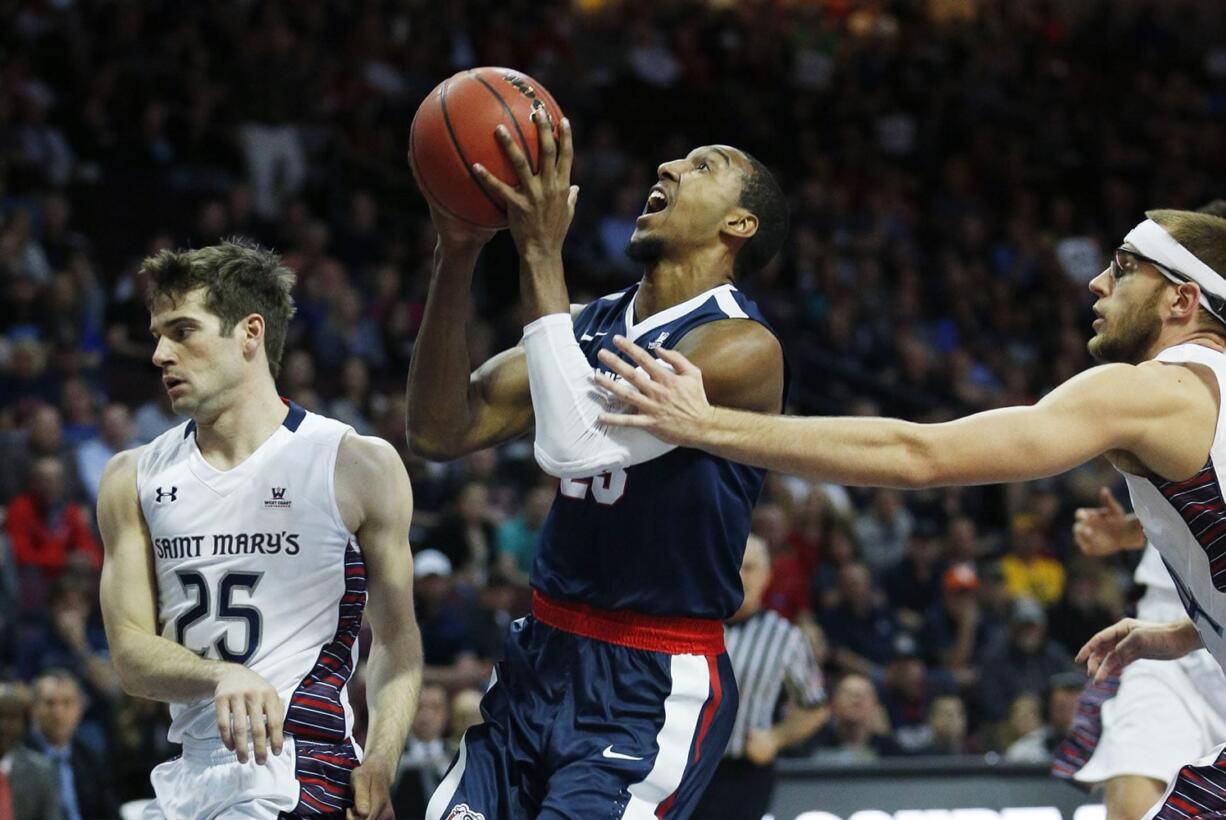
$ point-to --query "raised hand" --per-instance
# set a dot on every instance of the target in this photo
(1106, 530)
(666, 392)
(540, 208)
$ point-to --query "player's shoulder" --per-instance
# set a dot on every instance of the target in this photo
(119, 474)
(366, 460)
(733, 337)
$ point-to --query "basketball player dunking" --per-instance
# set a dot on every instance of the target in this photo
(616, 697)
(241, 550)
(1156, 413)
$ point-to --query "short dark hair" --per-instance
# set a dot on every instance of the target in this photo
(1216, 207)
(240, 278)
(762, 197)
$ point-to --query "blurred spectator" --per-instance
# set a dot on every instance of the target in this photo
(1080, 613)
(154, 417)
(857, 730)
(352, 406)
(1029, 573)
(467, 536)
(47, 531)
(946, 727)
(956, 634)
(139, 743)
(883, 529)
(839, 549)
(59, 705)
(861, 628)
(913, 585)
(1038, 745)
(118, 433)
(465, 714)
(788, 590)
(80, 412)
(42, 437)
(449, 646)
(1024, 662)
(906, 694)
(426, 755)
(517, 536)
(28, 786)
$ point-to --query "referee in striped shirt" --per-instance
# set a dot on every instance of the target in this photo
(769, 654)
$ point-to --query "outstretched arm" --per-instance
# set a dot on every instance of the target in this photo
(1110, 408)
(153, 667)
(376, 501)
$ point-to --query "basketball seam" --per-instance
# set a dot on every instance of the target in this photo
(523, 140)
(442, 101)
(434, 200)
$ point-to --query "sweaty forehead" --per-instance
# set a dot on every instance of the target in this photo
(172, 308)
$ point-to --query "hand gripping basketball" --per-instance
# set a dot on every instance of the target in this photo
(540, 208)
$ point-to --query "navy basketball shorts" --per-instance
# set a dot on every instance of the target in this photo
(595, 714)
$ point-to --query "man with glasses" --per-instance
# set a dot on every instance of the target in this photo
(1153, 410)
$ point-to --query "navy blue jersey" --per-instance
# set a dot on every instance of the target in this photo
(664, 537)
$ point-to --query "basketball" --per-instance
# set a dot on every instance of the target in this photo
(454, 128)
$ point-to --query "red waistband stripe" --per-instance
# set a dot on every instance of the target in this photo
(672, 636)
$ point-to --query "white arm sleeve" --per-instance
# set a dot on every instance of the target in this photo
(570, 440)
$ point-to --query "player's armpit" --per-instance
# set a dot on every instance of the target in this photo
(741, 363)
(376, 503)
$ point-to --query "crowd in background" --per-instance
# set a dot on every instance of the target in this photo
(957, 171)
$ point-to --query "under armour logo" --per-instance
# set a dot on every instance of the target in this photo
(659, 340)
(172, 494)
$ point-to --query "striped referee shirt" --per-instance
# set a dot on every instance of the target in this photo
(768, 653)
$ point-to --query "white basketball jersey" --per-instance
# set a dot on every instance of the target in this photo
(1186, 522)
(1160, 601)
(255, 566)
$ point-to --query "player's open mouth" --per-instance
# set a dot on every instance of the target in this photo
(657, 201)
(171, 383)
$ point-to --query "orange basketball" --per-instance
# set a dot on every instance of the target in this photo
(454, 128)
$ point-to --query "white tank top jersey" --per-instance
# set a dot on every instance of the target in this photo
(1160, 601)
(1186, 521)
(255, 566)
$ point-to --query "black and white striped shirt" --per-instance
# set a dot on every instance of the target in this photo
(768, 652)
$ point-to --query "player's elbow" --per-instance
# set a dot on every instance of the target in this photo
(919, 464)
(434, 444)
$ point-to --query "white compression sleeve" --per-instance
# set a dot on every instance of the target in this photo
(570, 440)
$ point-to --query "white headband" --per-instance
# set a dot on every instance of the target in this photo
(1151, 240)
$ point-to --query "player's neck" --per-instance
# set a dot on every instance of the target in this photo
(228, 438)
(670, 282)
(1205, 338)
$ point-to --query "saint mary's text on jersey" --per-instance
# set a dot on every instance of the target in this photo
(243, 543)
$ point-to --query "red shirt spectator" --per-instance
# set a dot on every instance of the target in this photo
(44, 529)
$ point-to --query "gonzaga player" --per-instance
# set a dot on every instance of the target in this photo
(1156, 413)
(242, 549)
(616, 697)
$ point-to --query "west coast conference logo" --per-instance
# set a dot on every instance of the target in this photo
(277, 500)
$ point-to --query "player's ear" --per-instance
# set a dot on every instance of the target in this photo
(741, 224)
(1186, 300)
(253, 333)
